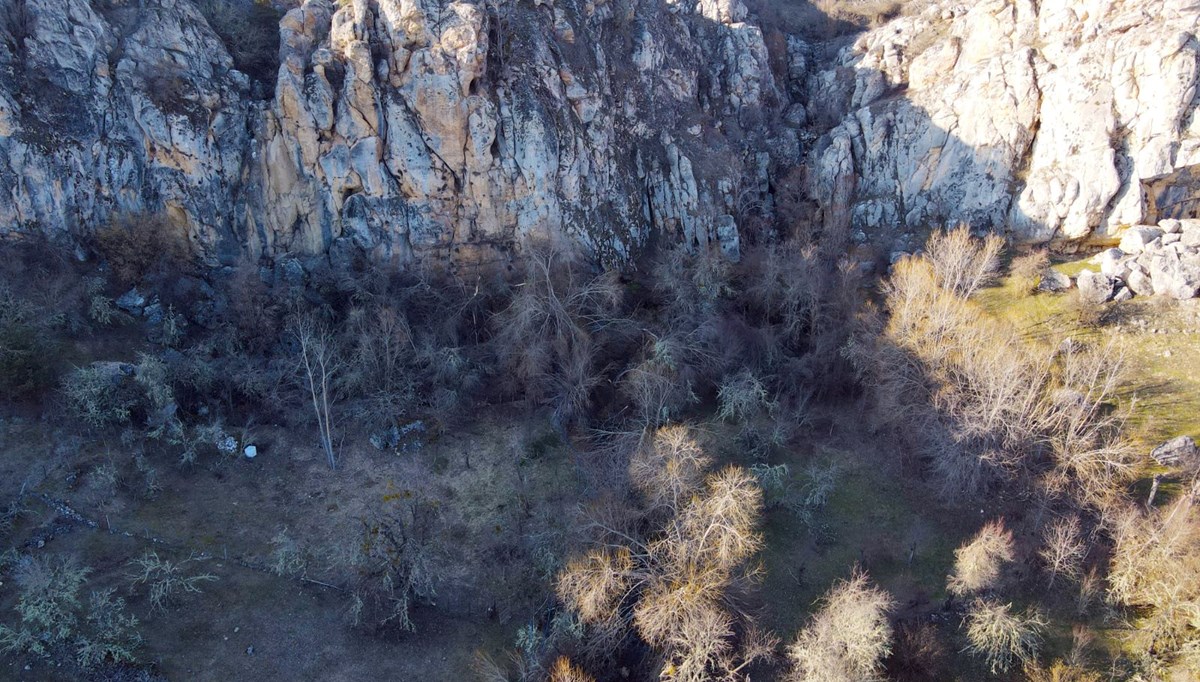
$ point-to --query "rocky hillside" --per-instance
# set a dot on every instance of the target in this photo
(1058, 120)
(397, 127)
(420, 129)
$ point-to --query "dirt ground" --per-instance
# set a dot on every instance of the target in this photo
(506, 512)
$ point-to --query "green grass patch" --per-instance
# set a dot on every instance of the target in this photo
(872, 519)
(1073, 267)
(1163, 368)
(1040, 316)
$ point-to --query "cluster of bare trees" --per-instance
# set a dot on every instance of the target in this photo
(671, 574)
(993, 631)
(977, 399)
(1155, 571)
(984, 407)
(674, 584)
(988, 408)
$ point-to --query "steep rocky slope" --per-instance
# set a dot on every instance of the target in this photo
(421, 129)
(1048, 118)
(400, 128)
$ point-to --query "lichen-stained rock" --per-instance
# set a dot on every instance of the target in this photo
(117, 111)
(475, 132)
(1179, 451)
(1041, 118)
(399, 129)
(1095, 287)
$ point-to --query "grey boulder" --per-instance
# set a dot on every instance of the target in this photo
(1095, 287)
(1180, 451)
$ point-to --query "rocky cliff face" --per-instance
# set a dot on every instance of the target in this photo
(455, 131)
(404, 129)
(1044, 118)
(124, 111)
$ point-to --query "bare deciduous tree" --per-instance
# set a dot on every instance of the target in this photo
(668, 469)
(381, 351)
(847, 640)
(1028, 269)
(596, 583)
(961, 262)
(320, 364)
(1063, 549)
(1083, 421)
(1002, 637)
(742, 396)
(977, 563)
(564, 671)
(391, 565)
(961, 384)
(547, 334)
(919, 652)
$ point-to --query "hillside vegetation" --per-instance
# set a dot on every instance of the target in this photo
(692, 470)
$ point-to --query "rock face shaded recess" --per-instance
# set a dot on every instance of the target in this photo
(453, 131)
(1039, 117)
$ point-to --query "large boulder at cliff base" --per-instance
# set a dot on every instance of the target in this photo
(1095, 287)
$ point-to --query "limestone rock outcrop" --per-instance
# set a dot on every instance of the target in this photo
(457, 131)
(398, 129)
(116, 111)
(1039, 118)
(1163, 260)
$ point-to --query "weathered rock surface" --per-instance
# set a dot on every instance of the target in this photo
(1095, 287)
(1163, 260)
(1138, 237)
(1180, 451)
(117, 111)
(1042, 118)
(398, 128)
(1053, 280)
(405, 130)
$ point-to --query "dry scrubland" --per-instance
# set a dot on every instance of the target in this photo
(807, 465)
(789, 468)
(776, 469)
